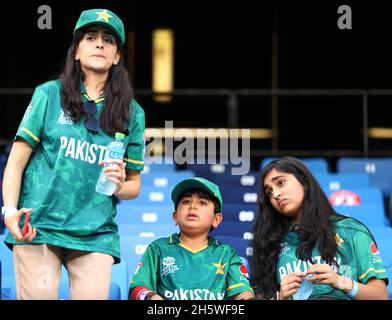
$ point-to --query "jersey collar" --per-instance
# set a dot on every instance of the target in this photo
(85, 96)
(175, 238)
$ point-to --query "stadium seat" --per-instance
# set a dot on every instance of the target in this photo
(147, 230)
(210, 171)
(128, 213)
(8, 290)
(150, 195)
(251, 179)
(385, 249)
(132, 249)
(239, 212)
(369, 214)
(241, 245)
(315, 165)
(338, 181)
(240, 195)
(163, 179)
(233, 229)
(355, 196)
(378, 169)
(381, 233)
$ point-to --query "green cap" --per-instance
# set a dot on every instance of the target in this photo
(197, 183)
(119, 135)
(104, 17)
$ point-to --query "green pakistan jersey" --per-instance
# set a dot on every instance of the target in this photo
(176, 272)
(60, 178)
(358, 257)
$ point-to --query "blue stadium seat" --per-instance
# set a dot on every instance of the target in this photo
(155, 168)
(150, 195)
(233, 229)
(355, 196)
(385, 249)
(240, 195)
(8, 290)
(128, 213)
(381, 233)
(163, 179)
(251, 179)
(147, 230)
(379, 170)
(369, 214)
(132, 249)
(239, 212)
(315, 165)
(337, 181)
(210, 171)
(241, 245)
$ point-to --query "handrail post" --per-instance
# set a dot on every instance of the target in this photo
(232, 106)
(365, 124)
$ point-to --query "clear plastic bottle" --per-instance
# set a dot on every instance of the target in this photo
(115, 150)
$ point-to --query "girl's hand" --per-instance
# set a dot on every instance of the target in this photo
(290, 284)
(12, 223)
(115, 173)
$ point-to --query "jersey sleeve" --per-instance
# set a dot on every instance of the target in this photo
(369, 261)
(237, 280)
(146, 273)
(134, 155)
(31, 126)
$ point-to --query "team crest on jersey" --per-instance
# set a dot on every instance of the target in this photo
(169, 265)
(244, 272)
(64, 118)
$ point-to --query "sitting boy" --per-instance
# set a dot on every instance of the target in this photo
(190, 265)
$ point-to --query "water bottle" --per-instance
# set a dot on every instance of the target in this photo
(115, 150)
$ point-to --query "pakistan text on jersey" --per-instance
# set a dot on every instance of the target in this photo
(302, 266)
(81, 150)
(194, 294)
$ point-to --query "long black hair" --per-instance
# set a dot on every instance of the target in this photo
(115, 116)
(314, 227)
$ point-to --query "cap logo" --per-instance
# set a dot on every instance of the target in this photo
(103, 15)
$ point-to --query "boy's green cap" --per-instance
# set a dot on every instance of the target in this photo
(197, 183)
(104, 17)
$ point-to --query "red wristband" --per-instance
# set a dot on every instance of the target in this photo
(140, 293)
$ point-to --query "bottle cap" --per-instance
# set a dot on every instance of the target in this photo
(120, 135)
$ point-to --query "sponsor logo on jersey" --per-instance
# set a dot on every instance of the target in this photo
(244, 272)
(375, 253)
(64, 118)
(194, 294)
(169, 265)
(284, 247)
(344, 198)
